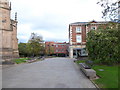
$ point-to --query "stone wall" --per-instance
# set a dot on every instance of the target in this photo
(8, 32)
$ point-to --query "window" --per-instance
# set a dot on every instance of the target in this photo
(56, 50)
(93, 28)
(78, 38)
(78, 29)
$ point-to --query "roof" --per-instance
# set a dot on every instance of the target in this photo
(85, 23)
(79, 23)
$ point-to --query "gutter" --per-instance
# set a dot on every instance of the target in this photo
(95, 84)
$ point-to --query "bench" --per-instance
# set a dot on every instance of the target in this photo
(90, 73)
(42, 58)
(30, 61)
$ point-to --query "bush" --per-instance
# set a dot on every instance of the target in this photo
(103, 44)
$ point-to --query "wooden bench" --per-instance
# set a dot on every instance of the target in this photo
(90, 73)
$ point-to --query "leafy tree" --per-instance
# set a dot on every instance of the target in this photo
(22, 47)
(110, 9)
(103, 44)
(49, 49)
(35, 44)
(42, 48)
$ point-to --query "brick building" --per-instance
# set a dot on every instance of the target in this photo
(56, 48)
(77, 37)
(49, 48)
(61, 48)
(8, 32)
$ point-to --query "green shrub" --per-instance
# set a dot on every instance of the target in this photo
(103, 44)
(80, 61)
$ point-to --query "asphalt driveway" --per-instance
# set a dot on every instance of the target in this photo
(49, 73)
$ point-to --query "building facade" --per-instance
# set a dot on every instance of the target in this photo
(49, 48)
(61, 48)
(8, 32)
(56, 48)
(77, 37)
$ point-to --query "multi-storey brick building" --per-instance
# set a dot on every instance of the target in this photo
(8, 32)
(56, 48)
(61, 48)
(77, 37)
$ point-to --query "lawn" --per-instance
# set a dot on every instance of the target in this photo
(20, 60)
(80, 61)
(108, 76)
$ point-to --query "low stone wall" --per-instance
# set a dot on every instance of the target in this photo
(90, 73)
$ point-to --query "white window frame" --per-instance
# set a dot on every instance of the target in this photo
(78, 38)
(78, 29)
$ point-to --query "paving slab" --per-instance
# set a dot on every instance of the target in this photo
(49, 73)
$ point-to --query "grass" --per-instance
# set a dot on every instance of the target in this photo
(80, 61)
(20, 60)
(108, 77)
(23, 60)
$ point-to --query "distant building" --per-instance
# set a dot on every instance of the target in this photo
(61, 48)
(56, 48)
(77, 37)
(49, 48)
(8, 32)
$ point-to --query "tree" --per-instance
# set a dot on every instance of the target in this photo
(22, 47)
(110, 9)
(49, 49)
(103, 44)
(42, 48)
(35, 44)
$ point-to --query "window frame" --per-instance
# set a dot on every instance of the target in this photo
(80, 40)
(78, 29)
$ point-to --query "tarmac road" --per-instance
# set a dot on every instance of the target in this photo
(49, 73)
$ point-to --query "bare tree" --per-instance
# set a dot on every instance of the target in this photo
(110, 9)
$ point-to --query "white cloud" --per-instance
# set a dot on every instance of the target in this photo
(24, 31)
(51, 18)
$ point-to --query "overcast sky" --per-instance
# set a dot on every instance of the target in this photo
(51, 18)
